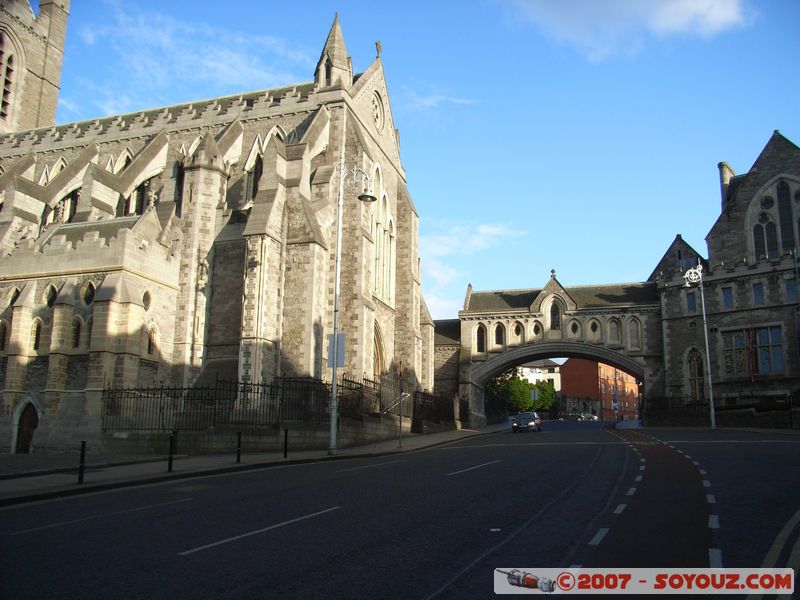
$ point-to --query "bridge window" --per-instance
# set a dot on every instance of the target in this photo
(499, 335)
(481, 339)
(555, 316)
(634, 334)
(613, 331)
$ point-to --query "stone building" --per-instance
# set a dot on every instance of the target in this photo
(654, 329)
(190, 242)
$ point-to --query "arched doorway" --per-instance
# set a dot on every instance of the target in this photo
(28, 421)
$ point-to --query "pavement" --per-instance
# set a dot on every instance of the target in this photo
(33, 477)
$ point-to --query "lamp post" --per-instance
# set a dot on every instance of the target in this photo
(356, 175)
(691, 277)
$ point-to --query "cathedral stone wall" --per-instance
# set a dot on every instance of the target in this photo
(193, 242)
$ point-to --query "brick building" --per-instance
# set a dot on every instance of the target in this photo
(189, 242)
(598, 389)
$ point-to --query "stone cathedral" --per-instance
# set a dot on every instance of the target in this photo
(192, 242)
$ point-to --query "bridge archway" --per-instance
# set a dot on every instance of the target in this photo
(475, 375)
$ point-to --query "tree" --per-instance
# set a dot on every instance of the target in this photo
(513, 389)
(545, 395)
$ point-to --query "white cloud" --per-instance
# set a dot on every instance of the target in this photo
(158, 55)
(602, 29)
(465, 239)
(414, 101)
(442, 307)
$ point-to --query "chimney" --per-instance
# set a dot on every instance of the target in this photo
(725, 176)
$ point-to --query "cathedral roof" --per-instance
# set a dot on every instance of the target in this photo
(585, 296)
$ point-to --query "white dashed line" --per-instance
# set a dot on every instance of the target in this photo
(706, 483)
(638, 478)
(713, 521)
(620, 508)
(631, 491)
(711, 498)
(598, 537)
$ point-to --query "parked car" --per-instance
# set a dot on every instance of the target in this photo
(579, 416)
(573, 416)
(526, 421)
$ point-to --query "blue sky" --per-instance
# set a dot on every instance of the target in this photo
(575, 135)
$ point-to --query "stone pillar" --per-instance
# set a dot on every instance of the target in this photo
(204, 188)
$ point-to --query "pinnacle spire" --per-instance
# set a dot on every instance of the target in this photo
(334, 64)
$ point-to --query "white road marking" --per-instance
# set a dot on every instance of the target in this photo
(713, 521)
(631, 491)
(620, 508)
(715, 558)
(391, 462)
(256, 532)
(111, 514)
(706, 483)
(638, 478)
(711, 498)
(598, 537)
(475, 467)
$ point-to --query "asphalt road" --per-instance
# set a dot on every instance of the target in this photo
(433, 523)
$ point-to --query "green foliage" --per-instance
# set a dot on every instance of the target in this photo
(513, 389)
(517, 392)
(546, 396)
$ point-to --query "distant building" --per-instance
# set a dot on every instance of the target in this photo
(542, 370)
(599, 389)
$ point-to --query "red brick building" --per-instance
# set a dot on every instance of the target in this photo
(598, 389)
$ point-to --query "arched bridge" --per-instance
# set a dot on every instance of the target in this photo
(617, 324)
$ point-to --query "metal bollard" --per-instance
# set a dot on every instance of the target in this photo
(171, 451)
(285, 443)
(82, 465)
(239, 448)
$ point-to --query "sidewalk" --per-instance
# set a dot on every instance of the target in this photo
(32, 477)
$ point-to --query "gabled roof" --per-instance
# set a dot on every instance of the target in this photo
(670, 261)
(779, 156)
(585, 296)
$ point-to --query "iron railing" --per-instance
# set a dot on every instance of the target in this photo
(267, 405)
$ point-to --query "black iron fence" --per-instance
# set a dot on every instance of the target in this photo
(268, 405)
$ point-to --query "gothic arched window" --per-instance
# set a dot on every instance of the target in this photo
(555, 316)
(785, 216)
(76, 333)
(7, 76)
(36, 335)
(499, 335)
(3, 334)
(255, 177)
(696, 369)
(634, 334)
(765, 239)
(480, 336)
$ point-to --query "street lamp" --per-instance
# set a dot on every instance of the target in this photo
(692, 277)
(348, 177)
